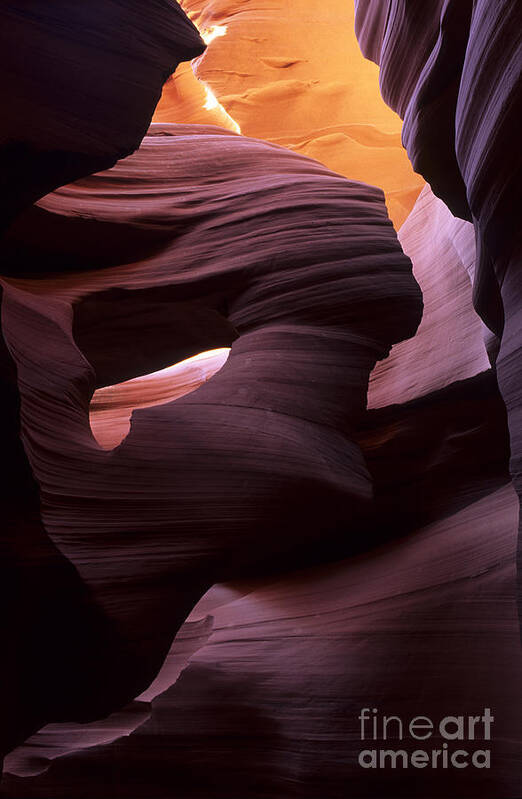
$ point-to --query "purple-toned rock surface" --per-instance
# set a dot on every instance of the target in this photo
(452, 69)
(268, 705)
(268, 251)
(274, 673)
(368, 554)
(449, 343)
(79, 83)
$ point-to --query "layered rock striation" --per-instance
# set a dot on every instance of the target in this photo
(79, 83)
(296, 268)
(458, 91)
(153, 472)
(266, 66)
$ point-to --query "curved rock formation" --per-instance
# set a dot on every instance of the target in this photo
(76, 97)
(295, 267)
(459, 93)
(79, 83)
(449, 343)
(111, 406)
(268, 704)
(268, 69)
(204, 239)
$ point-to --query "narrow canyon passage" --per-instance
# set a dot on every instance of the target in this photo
(258, 428)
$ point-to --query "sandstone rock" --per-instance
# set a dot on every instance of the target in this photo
(259, 461)
(293, 74)
(79, 84)
(458, 90)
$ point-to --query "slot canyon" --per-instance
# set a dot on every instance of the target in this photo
(261, 394)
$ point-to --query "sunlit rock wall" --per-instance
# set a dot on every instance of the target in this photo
(293, 73)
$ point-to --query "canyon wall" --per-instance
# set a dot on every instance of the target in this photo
(458, 91)
(216, 437)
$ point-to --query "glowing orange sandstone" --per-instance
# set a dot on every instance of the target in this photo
(293, 74)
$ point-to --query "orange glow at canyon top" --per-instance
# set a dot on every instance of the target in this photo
(292, 74)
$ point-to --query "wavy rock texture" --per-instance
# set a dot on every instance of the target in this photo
(268, 705)
(458, 91)
(290, 265)
(450, 340)
(260, 691)
(457, 130)
(111, 407)
(79, 83)
(273, 673)
(268, 71)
